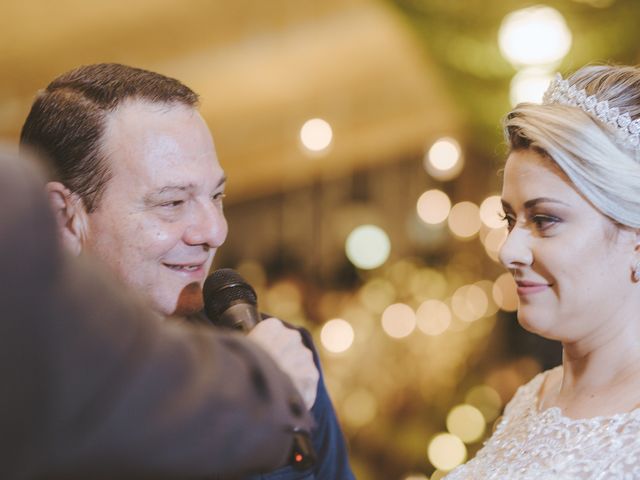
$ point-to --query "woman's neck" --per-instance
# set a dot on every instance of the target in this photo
(600, 374)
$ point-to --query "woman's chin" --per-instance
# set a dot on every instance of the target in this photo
(537, 324)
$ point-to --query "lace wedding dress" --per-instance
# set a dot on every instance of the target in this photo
(529, 444)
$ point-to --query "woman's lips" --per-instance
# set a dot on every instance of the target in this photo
(529, 288)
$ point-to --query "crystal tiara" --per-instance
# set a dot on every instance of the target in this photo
(627, 131)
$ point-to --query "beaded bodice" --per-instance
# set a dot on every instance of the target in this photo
(529, 444)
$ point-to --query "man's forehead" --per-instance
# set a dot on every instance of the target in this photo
(167, 145)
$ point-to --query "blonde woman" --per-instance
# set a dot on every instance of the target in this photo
(571, 196)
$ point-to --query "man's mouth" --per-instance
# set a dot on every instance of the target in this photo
(184, 268)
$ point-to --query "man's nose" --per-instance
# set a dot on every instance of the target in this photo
(516, 251)
(207, 226)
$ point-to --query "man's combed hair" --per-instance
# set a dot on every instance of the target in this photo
(67, 120)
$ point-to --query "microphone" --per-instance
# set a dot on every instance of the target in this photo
(230, 302)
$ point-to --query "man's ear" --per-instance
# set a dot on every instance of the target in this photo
(70, 214)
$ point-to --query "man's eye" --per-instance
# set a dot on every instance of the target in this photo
(218, 197)
(172, 204)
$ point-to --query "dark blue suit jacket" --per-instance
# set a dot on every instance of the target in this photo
(327, 438)
(326, 435)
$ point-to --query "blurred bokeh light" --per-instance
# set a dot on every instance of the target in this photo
(444, 161)
(529, 85)
(337, 335)
(466, 422)
(368, 247)
(433, 206)
(534, 36)
(464, 220)
(398, 320)
(446, 451)
(316, 135)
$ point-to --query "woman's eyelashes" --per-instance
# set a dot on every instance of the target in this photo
(544, 222)
(540, 222)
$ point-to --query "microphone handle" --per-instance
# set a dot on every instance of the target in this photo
(241, 316)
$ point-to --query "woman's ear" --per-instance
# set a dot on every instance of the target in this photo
(71, 216)
(635, 268)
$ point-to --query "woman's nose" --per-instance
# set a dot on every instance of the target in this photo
(516, 251)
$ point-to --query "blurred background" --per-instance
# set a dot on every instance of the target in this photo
(363, 147)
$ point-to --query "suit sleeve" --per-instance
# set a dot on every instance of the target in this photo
(326, 435)
(93, 387)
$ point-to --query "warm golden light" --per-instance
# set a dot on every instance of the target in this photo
(485, 399)
(464, 220)
(433, 207)
(377, 294)
(505, 293)
(466, 422)
(487, 288)
(529, 85)
(316, 135)
(427, 283)
(398, 320)
(359, 408)
(491, 212)
(337, 335)
(493, 241)
(534, 36)
(368, 247)
(469, 303)
(433, 317)
(446, 451)
(284, 299)
(253, 273)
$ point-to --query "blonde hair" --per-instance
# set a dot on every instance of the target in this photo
(585, 148)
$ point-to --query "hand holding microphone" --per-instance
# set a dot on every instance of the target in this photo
(232, 303)
(285, 347)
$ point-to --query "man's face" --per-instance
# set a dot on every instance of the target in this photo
(160, 220)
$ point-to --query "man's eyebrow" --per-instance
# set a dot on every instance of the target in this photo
(171, 188)
(182, 187)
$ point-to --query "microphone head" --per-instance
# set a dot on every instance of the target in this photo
(223, 289)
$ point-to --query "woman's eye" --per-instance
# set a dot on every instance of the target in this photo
(510, 219)
(543, 222)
